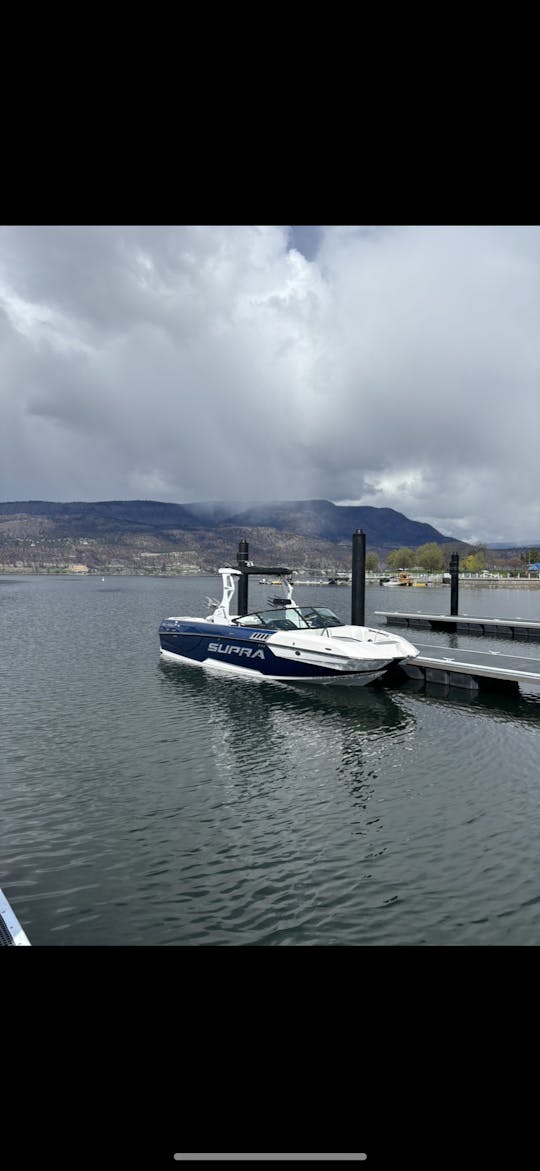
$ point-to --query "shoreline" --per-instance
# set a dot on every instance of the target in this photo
(464, 582)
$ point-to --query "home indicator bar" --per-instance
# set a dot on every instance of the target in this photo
(297, 1158)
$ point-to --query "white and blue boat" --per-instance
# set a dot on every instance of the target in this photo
(288, 643)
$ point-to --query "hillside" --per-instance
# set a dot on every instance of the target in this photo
(152, 536)
(384, 527)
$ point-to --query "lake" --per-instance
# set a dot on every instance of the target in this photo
(144, 803)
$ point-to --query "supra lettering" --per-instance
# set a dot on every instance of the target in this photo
(220, 648)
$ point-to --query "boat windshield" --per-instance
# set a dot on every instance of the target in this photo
(289, 618)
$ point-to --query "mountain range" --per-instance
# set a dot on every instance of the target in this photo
(200, 535)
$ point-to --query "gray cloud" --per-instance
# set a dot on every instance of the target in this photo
(396, 367)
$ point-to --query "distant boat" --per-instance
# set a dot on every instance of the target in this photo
(404, 579)
(103, 579)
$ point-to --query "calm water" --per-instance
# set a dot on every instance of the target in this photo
(152, 804)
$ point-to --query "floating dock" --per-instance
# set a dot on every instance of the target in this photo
(519, 628)
(469, 669)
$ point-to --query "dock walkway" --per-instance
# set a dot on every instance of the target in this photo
(519, 628)
(471, 669)
(461, 667)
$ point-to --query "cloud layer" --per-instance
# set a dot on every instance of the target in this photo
(397, 367)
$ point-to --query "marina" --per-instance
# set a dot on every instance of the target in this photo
(148, 803)
(471, 669)
(284, 642)
(315, 765)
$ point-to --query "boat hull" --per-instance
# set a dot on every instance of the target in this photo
(269, 655)
(343, 678)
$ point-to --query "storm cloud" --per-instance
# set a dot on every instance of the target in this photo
(397, 367)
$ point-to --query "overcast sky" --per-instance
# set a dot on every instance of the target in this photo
(396, 367)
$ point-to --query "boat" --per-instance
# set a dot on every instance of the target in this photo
(404, 579)
(288, 643)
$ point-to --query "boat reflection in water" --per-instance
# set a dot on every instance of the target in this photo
(275, 733)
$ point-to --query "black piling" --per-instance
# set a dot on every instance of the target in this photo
(358, 583)
(242, 559)
(454, 584)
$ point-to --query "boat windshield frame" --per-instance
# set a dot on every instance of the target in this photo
(290, 618)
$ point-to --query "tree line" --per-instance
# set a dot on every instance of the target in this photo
(431, 558)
